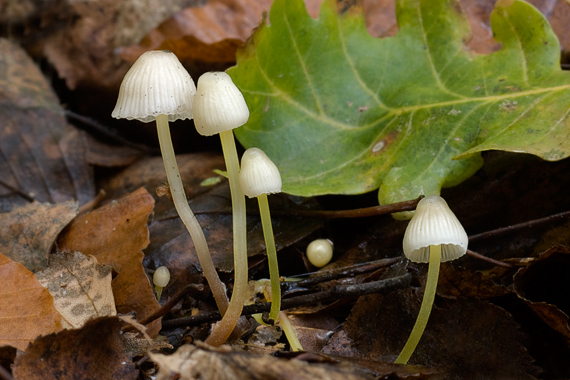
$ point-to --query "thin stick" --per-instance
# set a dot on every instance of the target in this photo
(188, 218)
(425, 309)
(222, 330)
(333, 294)
(488, 259)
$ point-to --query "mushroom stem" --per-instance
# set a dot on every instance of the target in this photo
(188, 218)
(271, 256)
(425, 309)
(222, 330)
(289, 332)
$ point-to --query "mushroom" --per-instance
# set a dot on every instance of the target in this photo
(158, 87)
(219, 107)
(160, 279)
(433, 235)
(258, 177)
(319, 252)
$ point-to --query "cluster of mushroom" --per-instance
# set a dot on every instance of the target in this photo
(157, 87)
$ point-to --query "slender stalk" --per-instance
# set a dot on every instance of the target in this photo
(425, 309)
(271, 256)
(158, 290)
(289, 332)
(188, 218)
(222, 330)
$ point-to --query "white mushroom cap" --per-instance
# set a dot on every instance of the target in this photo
(156, 84)
(320, 252)
(434, 223)
(219, 105)
(258, 174)
(161, 276)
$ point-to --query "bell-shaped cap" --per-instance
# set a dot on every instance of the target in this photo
(258, 174)
(156, 84)
(161, 276)
(434, 223)
(219, 105)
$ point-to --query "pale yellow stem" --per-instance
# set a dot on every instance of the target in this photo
(271, 256)
(425, 309)
(289, 332)
(186, 214)
(222, 330)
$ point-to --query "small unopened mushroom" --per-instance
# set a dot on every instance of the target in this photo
(433, 235)
(160, 279)
(258, 177)
(320, 252)
(157, 86)
(219, 107)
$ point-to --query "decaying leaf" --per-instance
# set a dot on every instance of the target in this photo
(137, 346)
(81, 288)
(203, 362)
(116, 234)
(28, 232)
(459, 282)
(465, 338)
(26, 307)
(543, 286)
(410, 104)
(40, 155)
(95, 351)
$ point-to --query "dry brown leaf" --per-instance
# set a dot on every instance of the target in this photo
(95, 351)
(26, 307)
(28, 232)
(459, 282)
(116, 234)
(81, 288)
(204, 362)
(40, 155)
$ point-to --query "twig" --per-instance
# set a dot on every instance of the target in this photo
(333, 274)
(4, 374)
(109, 133)
(17, 191)
(191, 289)
(333, 294)
(488, 259)
(516, 227)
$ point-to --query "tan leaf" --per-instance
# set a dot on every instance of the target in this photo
(28, 232)
(81, 288)
(26, 307)
(116, 234)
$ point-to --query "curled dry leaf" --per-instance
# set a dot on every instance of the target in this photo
(40, 155)
(95, 351)
(81, 288)
(116, 234)
(28, 232)
(204, 362)
(543, 286)
(26, 307)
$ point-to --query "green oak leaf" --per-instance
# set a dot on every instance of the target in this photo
(342, 112)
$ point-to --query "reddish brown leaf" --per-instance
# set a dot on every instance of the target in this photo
(26, 307)
(28, 232)
(40, 155)
(96, 351)
(459, 282)
(116, 234)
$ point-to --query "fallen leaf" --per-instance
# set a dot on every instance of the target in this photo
(26, 307)
(28, 232)
(399, 124)
(42, 157)
(191, 362)
(81, 288)
(136, 346)
(459, 282)
(95, 351)
(116, 234)
(543, 287)
(466, 339)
